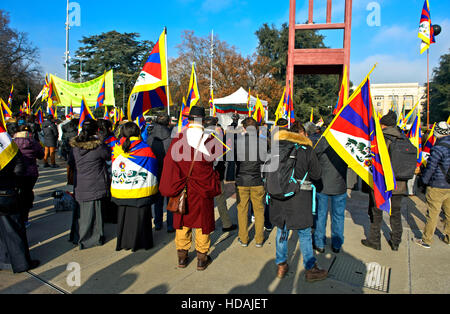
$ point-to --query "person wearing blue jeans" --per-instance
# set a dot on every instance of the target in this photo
(333, 185)
(305, 239)
(338, 205)
(296, 211)
(159, 212)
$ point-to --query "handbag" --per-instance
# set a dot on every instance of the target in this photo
(9, 202)
(177, 204)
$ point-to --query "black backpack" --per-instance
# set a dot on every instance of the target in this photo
(403, 157)
(281, 184)
(447, 174)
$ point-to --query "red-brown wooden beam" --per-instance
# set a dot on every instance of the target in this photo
(311, 12)
(328, 11)
(319, 56)
(320, 26)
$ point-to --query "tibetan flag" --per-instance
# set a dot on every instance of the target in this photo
(259, 113)
(356, 135)
(289, 107)
(193, 95)
(50, 109)
(415, 136)
(106, 115)
(71, 113)
(134, 173)
(448, 120)
(140, 121)
(101, 94)
(426, 31)
(7, 113)
(183, 121)
(150, 90)
(343, 93)
(28, 104)
(8, 148)
(249, 107)
(85, 114)
(426, 151)
(10, 97)
(211, 104)
(280, 109)
(312, 115)
(40, 116)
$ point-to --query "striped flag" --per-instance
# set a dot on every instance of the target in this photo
(280, 109)
(40, 115)
(7, 113)
(249, 107)
(356, 135)
(426, 31)
(259, 113)
(343, 93)
(183, 121)
(211, 104)
(101, 94)
(289, 106)
(106, 115)
(415, 136)
(71, 113)
(85, 114)
(150, 90)
(8, 148)
(312, 115)
(10, 97)
(431, 140)
(193, 95)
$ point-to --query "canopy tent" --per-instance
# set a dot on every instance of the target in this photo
(235, 103)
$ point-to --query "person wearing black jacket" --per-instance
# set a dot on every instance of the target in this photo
(14, 250)
(159, 139)
(50, 141)
(249, 181)
(296, 213)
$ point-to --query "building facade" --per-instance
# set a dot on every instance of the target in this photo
(399, 96)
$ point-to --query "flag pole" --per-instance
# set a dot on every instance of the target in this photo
(167, 72)
(212, 56)
(67, 50)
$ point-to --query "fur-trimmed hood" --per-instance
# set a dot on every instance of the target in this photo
(296, 138)
(90, 145)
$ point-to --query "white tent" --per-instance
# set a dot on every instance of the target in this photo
(239, 98)
(236, 102)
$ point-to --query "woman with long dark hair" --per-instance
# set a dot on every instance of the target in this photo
(134, 184)
(91, 185)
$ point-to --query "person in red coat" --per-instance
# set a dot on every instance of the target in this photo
(202, 187)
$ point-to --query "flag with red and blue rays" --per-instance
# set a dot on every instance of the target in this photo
(183, 120)
(134, 173)
(426, 151)
(50, 109)
(71, 113)
(150, 90)
(289, 106)
(415, 136)
(10, 97)
(356, 135)
(7, 113)
(106, 115)
(426, 31)
(101, 94)
(85, 114)
(40, 116)
(111, 141)
(140, 121)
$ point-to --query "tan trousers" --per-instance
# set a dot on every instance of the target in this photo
(183, 240)
(436, 200)
(255, 194)
(50, 152)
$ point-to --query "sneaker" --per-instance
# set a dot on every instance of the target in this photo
(259, 245)
(316, 274)
(421, 243)
(242, 243)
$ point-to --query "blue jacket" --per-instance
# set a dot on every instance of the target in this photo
(440, 155)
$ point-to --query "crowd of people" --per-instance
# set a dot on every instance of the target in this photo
(127, 176)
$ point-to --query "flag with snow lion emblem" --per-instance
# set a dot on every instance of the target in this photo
(134, 173)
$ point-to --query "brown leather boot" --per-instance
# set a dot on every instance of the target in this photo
(283, 268)
(316, 274)
(183, 258)
(203, 261)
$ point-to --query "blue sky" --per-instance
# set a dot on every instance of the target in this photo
(393, 44)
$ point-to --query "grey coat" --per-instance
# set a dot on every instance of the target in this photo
(91, 179)
(50, 131)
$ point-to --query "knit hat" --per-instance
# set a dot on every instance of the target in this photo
(442, 129)
(390, 119)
